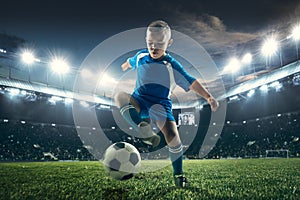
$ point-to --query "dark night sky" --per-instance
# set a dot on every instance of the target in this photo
(77, 27)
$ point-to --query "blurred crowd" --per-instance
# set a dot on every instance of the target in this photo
(38, 142)
(253, 138)
(27, 141)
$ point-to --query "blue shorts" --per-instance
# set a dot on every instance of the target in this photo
(156, 110)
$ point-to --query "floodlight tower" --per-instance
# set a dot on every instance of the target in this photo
(269, 48)
(232, 67)
(247, 60)
(296, 37)
(28, 58)
(59, 66)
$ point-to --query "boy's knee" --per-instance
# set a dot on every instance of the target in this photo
(121, 99)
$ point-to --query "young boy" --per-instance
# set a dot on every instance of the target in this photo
(150, 101)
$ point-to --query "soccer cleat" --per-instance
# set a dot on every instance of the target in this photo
(149, 137)
(181, 181)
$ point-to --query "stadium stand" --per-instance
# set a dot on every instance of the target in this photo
(27, 141)
(252, 139)
(21, 141)
(265, 119)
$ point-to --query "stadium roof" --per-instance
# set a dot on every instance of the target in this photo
(54, 91)
(272, 76)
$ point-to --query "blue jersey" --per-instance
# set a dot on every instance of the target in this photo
(157, 78)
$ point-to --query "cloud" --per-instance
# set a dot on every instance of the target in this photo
(213, 22)
(211, 32)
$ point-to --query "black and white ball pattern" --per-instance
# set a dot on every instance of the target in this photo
(122, 161)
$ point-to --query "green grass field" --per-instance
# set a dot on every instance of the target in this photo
(209, 179)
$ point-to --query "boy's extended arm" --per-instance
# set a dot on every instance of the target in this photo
(199, 89)
(126, 65)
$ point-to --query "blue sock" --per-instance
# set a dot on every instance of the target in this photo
(130, 114)
(176, 158)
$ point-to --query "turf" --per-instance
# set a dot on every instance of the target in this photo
(209, 179)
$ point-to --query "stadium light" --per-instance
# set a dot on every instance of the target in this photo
(234, 98)
(102, 106)
(251, 93)
(2, 51)
(264, 88)
(23, 92)
(13, 91)
(296, 36)
(54, 99)
(28, 57)
(296, 32)
(247, 59)
(270, 47)
(233, 66)
(276, 85)
(68, 101)
(296, 79)
(199, 107)
(59, 66)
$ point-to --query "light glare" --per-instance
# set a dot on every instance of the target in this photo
(277, 85)
(264, 88)
(68, 100)
(60, 66)
(251, 93)
(247, 58)
(269, 47)
(14, 91)
(23, 92)
(28, 57)
(56, 98)
(296, 32)
(233, 66)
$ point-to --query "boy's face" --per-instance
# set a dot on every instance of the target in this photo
(157, 43)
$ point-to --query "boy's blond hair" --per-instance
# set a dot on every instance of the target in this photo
(158, 26)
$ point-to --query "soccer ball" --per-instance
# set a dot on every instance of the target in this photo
(121, 161)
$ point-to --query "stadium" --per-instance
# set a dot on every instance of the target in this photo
(253, 152)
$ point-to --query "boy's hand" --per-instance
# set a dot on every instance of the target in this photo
(125, 66)
(214, 104)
